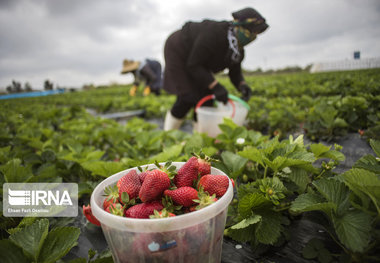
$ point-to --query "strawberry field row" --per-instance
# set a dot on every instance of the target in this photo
(279, 179)
(324, 105)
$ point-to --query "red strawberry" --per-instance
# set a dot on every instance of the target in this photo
(204, 163)
(204, 167)
(129, 183)
(155, 183)
(214, 184)
(183, 196)
(188, 173)
(112, 196)
(90, 217)
(115, 209)
(143, 210)
(142, 176)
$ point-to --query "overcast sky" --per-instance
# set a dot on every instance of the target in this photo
(76, 42)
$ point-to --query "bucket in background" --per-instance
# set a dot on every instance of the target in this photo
(192, 237)
(241, 110)
(210, 117)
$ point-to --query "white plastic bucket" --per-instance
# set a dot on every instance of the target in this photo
(192, 237)
(241, 110)
(209, 118)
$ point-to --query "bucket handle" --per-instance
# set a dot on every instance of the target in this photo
(239, 100)
(210, 97)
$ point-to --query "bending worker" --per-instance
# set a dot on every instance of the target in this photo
(196, 52)
(148, 71)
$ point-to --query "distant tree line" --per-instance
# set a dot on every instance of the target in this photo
(259, 71)
(16, 87)
(290, 69)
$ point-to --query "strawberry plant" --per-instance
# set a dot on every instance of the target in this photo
(271, 174)
(40, 142)
(350, 203)
(35, 242)
(324, 123)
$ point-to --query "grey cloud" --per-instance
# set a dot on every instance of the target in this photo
(90, 38)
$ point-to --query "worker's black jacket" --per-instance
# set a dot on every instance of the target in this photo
(194, 53)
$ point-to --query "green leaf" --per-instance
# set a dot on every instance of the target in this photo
(102, 168)
(26, 221)
(58, 243)
(364, 182)
(368, 162)
(311, 202)
(247, 222)
(194, 144)
(243, 234)
(170, 153)
(14, 172)
(375, 146)
(250, 202)
(10, 253)
(36, 143)
(302, 155)
(270, 228)
(4, 154)
(31, 238)
(334, 155)
(276, 164)
(353, 230)
(339, 123)
(319, 149)
(46, 173)
(252, 154)
(300, 177)
(94, 156)
(209, 151)
(48, 156)
(234, 163)
(299, 140)
(335, 192)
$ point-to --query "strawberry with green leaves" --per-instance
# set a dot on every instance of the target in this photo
(115, 209)
(143, 210)
(204, 163)
(130, 184)
(156, 182)
(214, 184)
(183, 196)
(188, 173)
(112, 196)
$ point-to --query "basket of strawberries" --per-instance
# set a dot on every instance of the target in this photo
(164, 212)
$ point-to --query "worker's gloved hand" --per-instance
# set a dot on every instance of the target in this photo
(220, 92)
(146, 91)
(132, 91)
(245, 91)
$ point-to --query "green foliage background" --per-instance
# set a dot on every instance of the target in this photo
(55, 139)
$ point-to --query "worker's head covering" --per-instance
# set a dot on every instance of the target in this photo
(129, 66)
(248, 23)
